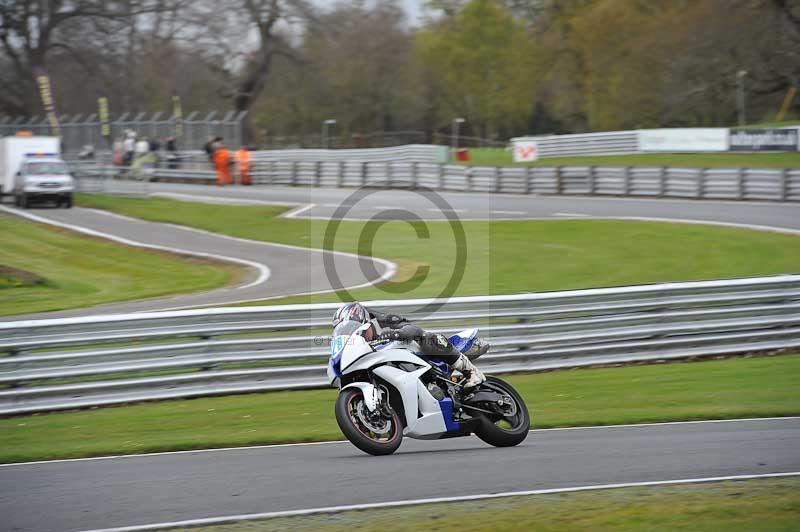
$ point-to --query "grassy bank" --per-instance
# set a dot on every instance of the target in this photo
(44, 268)
(735, 388)
(502, 157)
(766, 505)
(501, 256)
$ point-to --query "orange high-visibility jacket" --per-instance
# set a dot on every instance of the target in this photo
(222, 159)
(243, 159)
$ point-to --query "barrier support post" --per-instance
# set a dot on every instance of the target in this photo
(414, 175)
(528, 177)
(317, 173)
(740, 190)
(441, 177)
(364, 174)
(592, 186)
(626, 181)
(784, 184)
(340, 174)
(559, 180)
(498, 176)
(662, 182)
(701, 183)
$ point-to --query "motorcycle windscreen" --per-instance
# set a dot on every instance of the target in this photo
(348, 344)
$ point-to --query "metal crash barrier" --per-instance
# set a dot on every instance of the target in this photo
(81, 362)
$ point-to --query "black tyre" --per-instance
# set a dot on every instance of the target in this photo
(375, 434)
(66, 202)
(510, 425)
(24, 202)
(17, 200)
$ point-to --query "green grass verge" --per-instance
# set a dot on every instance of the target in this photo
(768, 124)
(734, 388)
(763, 504)
(501, 256)
(502, 157)
(78, 271)
(16, 278)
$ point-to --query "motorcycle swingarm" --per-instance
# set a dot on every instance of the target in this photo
(484, 397)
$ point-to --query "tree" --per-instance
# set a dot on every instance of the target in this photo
(365, 88)
(622, 58)
(484, 65)
(31, 31)
(243, 65)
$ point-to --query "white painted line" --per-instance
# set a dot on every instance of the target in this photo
(521, 213)
(170, 453)
(768, 228)
(390, 268)
(222, 199)
(643, 199)
(447, 210)
(298, 211)
(666, 423)
(572, 214)
(601, 197)
(703, 222)
(304, 444)
(436, 500)
(262, 269)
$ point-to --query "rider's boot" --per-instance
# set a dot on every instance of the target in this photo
(478, 349)
(474, 375)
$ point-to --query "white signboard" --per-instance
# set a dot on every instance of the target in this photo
(683, 140)
(525, 151)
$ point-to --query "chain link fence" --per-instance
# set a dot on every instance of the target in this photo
(192, 132)
(78, 131)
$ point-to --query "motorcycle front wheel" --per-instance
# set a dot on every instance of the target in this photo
(510, 424)
(375, 433)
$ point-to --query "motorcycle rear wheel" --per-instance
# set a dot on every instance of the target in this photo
(504, 431)
(377, 434)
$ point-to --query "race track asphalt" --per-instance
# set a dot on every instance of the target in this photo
(474, 205)
(298, 270)
(138, 490)
(274, 270)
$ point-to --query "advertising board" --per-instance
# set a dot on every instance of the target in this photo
(763, 140)
(525, 151)
(683, 140)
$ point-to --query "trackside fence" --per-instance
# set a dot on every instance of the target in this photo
(662, 181)
(83, 362)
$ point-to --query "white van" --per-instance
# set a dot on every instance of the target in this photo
(31, 170)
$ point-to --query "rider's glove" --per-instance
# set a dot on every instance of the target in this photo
(390, 335)
(393, 319)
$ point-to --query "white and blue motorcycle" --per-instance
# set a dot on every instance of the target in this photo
(388, 390)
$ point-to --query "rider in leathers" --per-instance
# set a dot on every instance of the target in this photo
(394, 327)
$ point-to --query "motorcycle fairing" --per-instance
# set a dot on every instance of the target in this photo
(426, 417)
(441, 366)
(463, 340)
(377, 358)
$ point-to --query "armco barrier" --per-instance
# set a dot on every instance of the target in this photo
(81, 362)
(605, 143)
(659, 181)
(670, 140)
